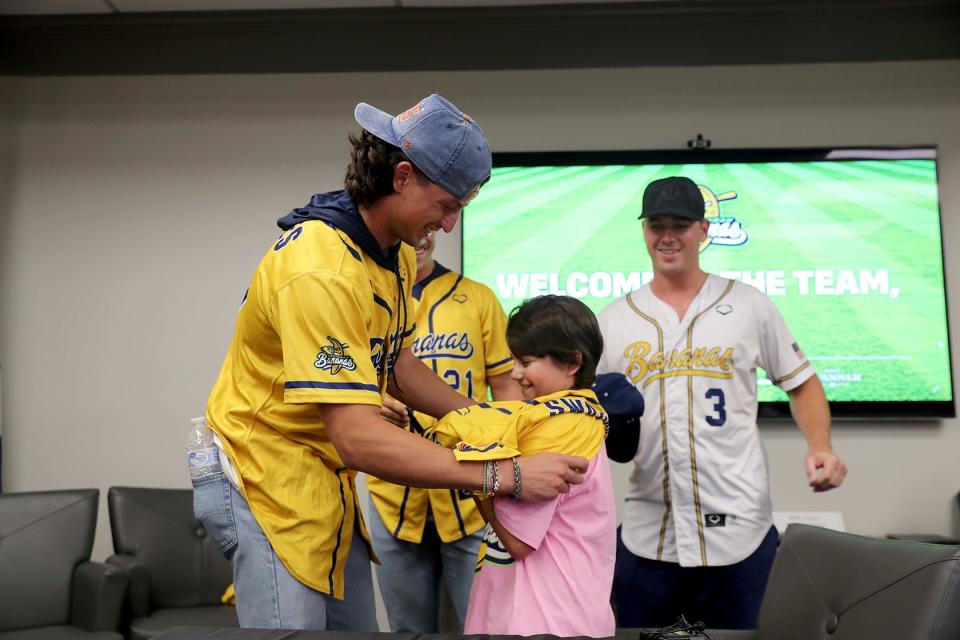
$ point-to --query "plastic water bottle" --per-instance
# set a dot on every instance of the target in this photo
(203, 458)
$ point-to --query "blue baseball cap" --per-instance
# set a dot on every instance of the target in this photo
(620, 399)
(443, 142)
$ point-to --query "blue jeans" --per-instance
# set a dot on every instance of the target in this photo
(410, 573)
(268, 596)
(650, 593)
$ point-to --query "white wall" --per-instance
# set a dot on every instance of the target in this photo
(133, 211)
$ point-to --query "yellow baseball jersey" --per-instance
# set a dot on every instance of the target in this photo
(318, 325)
(569, 421)
(461, 335)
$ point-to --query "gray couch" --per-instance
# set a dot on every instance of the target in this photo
(841, 586)
(828, 585)
(176, 574)
(49, 589)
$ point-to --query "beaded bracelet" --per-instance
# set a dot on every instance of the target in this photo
(496, 480)
(516, 479)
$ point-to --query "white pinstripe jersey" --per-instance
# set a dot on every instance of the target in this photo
(699, 492)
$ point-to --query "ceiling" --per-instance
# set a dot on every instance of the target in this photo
(114, 37)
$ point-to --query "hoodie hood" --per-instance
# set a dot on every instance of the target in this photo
(338, 209)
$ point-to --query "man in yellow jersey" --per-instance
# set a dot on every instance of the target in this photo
(421, 535)
(323, 333)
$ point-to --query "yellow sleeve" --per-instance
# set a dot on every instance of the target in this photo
(486, 431)
(325, 343)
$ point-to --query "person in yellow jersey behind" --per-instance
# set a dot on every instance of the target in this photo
(323, 333)
(424, 535)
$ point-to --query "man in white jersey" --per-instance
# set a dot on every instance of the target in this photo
(697, 537)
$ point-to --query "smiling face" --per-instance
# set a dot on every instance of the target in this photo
(540, 376)
(422, 207)
(674, 243)
(425, 255)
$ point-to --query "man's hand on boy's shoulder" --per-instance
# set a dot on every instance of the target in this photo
(543, 476)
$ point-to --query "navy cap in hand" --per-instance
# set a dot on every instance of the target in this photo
(623, 404)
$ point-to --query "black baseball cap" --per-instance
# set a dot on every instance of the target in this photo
(673, 196)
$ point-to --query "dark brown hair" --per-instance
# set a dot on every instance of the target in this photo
(370, 171)
(559, 327)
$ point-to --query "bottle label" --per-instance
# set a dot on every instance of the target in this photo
(203, 462)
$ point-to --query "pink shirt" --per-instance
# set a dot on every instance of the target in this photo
(563, 587)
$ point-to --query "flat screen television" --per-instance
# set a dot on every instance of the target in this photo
(846, 242)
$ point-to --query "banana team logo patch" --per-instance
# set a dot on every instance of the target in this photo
(724, 230)
(334, 357)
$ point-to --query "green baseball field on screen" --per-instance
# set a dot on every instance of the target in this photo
(850, 252)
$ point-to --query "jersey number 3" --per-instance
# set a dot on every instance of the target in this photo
(719, 407)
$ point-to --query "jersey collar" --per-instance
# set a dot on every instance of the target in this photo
(438, 270)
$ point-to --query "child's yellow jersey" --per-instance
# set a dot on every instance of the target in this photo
(570, 421)
(318, 325)
(461, 335)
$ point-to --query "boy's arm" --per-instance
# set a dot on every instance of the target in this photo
(517, 549)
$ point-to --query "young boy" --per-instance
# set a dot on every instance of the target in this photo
(544, 567)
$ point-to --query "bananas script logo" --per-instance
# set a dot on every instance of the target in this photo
(724, 230)
(334, 357)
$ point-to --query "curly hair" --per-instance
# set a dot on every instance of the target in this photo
(560, 327)
(369, 174)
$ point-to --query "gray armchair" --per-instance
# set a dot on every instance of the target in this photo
(176, 574)
(49, 589)
(827, 584)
